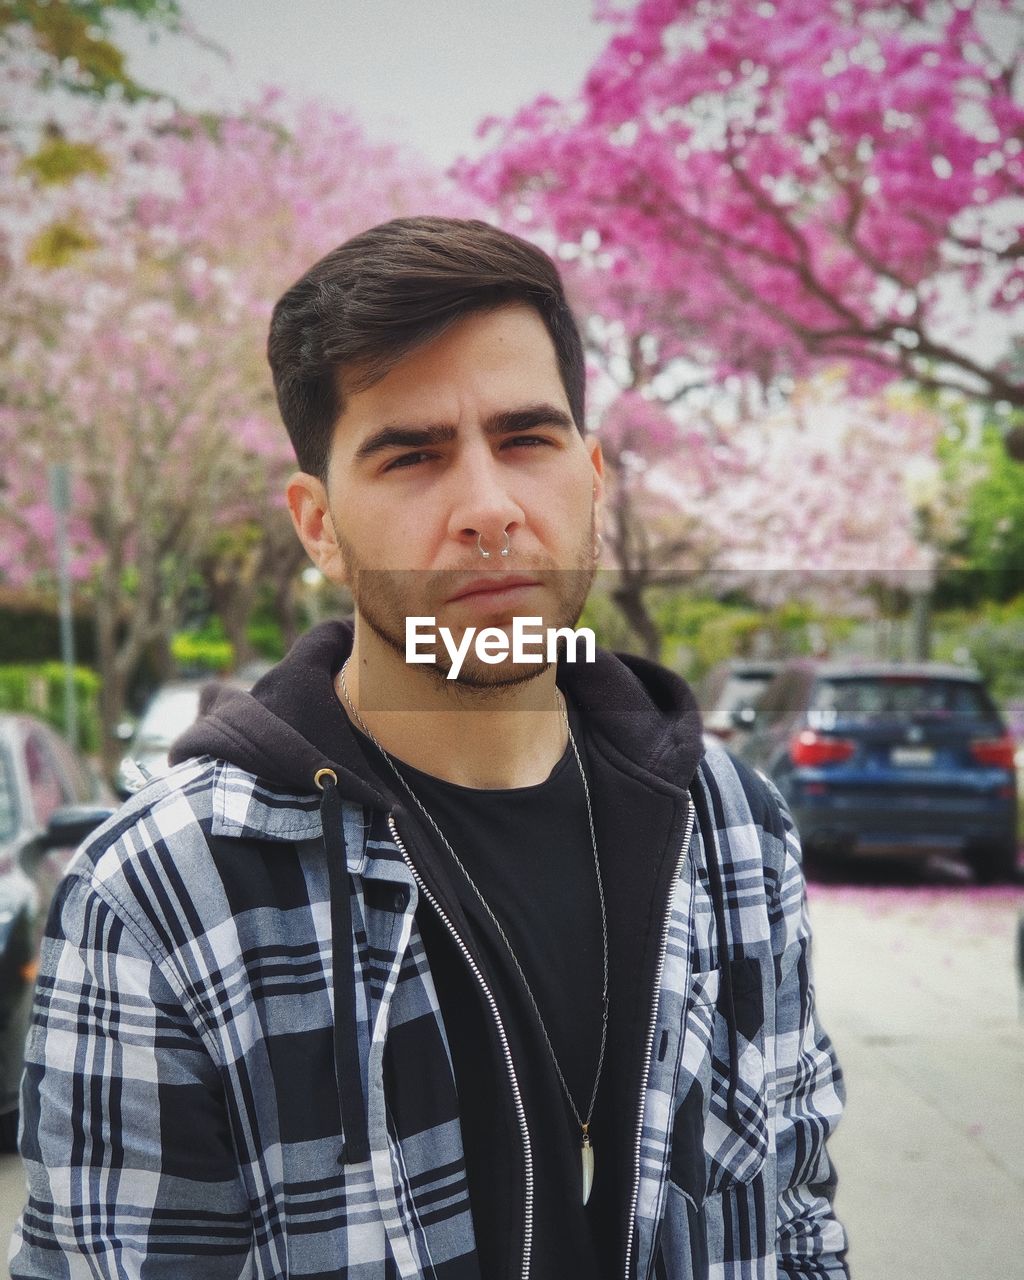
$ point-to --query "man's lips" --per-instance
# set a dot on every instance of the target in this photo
(492, 584)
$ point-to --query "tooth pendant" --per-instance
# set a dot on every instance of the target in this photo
(587, 1153)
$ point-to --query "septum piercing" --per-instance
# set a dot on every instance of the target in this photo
(505, 551)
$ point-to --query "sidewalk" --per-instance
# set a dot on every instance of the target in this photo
(917, 987)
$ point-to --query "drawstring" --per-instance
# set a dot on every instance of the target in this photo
(346, 1038)
(725, 968)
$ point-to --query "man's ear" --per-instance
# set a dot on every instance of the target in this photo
(311, 516)
(597, 461)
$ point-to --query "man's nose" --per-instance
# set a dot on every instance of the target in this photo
(483, 505)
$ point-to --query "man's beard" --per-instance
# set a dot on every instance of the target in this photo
(386, 598)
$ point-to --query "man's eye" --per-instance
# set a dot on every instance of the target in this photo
(528, 440)
(406, 460)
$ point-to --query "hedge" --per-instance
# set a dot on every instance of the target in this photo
(38, 689)
(28, 634)
(197, 653)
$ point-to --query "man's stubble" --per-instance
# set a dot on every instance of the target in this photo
(382, 598)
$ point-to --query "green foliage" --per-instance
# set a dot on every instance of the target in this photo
(607, 623)
(79, 30)
(197, 652)
(992, 638)
(988, 558)
(38, 689)
(266, 639)
(699, 631)
(59, 244)
(995, 523)
(264, 630)
(59, 161)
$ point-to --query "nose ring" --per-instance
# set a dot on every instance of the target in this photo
(505, 551)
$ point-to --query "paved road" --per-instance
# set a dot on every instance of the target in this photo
(917, 986)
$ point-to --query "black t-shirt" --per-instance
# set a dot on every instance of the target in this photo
(529, 852)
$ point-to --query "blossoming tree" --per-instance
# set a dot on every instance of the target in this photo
(746, 194)
(795, 182)
(807, 498)
(141, 252)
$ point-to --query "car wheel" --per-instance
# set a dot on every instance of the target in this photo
(995, 861)
(9, 1131)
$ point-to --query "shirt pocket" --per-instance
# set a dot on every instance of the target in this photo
(716, 1145)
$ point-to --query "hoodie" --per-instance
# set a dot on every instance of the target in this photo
(280, 764)
(629, 706)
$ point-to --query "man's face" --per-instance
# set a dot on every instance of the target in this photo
(470, 437)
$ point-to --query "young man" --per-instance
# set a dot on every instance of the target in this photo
(399, 975)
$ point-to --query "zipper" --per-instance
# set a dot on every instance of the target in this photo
(517, 1096)
(649, 1047)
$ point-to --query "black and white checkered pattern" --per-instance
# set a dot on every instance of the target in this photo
(180, 1110)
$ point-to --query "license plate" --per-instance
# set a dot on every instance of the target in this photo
(912, 757)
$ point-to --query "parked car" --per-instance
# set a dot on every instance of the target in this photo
(891, 759)
(168, 714)
(727, 695)
(49, 801)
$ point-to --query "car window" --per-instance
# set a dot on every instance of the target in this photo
(866, 698)
(49, 788)
(8, 799)
(740, 690)
(166, 719)
(79, 778)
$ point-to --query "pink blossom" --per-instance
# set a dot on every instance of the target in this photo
(140, 358)
(776, 182)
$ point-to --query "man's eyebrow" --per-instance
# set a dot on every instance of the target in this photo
(498, 424)
(403, 438)
(531, 415)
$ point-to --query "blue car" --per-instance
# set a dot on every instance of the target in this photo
(901, 760)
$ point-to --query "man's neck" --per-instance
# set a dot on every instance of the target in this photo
(494, 739)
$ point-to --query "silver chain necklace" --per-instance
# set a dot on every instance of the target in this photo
(586, 1148)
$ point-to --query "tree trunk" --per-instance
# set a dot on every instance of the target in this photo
(630, 550)
(233, 580)
(920, 626)
(234, 610)
(286, 556)
(286, 611)
(113, 687)
(629, 596)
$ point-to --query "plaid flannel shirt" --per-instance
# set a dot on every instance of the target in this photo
(179, 1114)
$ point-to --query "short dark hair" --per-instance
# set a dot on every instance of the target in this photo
(393, 288)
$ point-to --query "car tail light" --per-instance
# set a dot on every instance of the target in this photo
(810, 748)
(997, 752)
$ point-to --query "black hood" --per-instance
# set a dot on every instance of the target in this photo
(291, 723)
